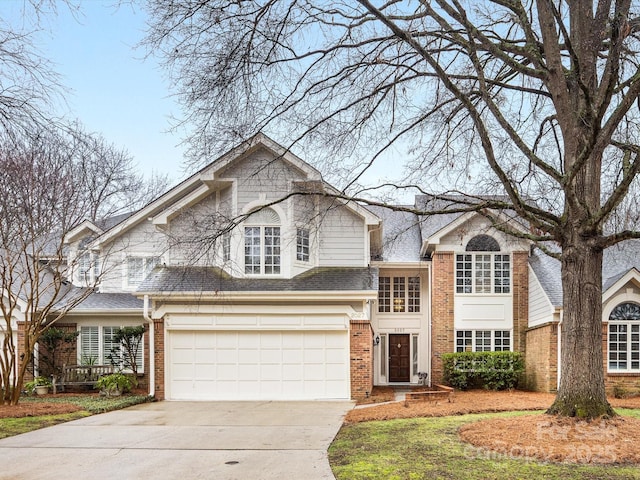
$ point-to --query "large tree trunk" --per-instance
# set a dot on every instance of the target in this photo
(582, 391)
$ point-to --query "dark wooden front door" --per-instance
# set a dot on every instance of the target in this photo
(399, 358)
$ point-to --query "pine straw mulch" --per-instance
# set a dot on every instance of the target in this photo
(36, 409)
(536, 436)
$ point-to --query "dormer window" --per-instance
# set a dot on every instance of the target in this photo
(302, 244)
(262, 243)
(87, 269)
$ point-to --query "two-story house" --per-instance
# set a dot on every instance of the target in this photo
(255, 282)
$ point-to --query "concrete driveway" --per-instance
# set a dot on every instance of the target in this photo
(183, 440)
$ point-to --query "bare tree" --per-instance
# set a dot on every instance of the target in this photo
(534, 100)
(46, 193)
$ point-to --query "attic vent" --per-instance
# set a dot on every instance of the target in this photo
(483, 243)
(626, 311)
(266, 216)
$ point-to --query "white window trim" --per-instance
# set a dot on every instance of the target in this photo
(628, 351)
(407, 295)
(146, 259)
(101, 358)
(473, 276)
(262, 251)
(473, 339)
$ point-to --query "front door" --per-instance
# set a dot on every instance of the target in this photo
(399, 358)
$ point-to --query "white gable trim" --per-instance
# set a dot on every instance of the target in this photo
(78, 230)
(429, 244)
(633, 275)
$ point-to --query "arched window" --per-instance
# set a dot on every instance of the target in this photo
(262, 242)
(624, 338)
(483, 243)
(488, 273)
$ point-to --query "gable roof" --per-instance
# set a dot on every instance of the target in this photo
(618, 261)
(211, 177)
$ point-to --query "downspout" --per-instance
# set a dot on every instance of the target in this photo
(152, 346)
(559, 353)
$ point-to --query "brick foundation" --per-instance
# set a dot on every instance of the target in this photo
(361, 358)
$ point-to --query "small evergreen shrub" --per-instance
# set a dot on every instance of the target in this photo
(491, 370)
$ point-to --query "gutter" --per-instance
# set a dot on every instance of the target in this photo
(152, 356)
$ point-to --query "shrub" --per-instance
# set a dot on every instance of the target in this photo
(114, 384)
(492, 370)
(30, 387)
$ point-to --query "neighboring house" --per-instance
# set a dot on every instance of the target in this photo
(254, 282)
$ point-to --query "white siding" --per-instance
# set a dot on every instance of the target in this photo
(343, 241)
(142, 240)
(540, 308)
(259, 175)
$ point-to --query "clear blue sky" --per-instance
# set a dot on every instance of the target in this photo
(112, 90)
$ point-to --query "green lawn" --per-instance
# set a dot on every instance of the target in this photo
(429, 448)
(90, 405)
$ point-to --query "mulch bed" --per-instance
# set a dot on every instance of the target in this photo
(536, 437)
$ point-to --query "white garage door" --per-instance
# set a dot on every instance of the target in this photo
(258, 365)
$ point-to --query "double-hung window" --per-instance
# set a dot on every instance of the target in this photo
(88, 270)
(262, 243)
(138, 268)
(399, 294)
(302, 244)
(624, 338)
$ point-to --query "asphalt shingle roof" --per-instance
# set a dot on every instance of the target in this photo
(110, 301)
(616, 262)
(401, 240)
(213, 279)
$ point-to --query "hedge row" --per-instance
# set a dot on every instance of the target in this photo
(491, 370)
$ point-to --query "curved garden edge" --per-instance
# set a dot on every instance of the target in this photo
(536, 436)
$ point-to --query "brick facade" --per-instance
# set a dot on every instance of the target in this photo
(442, 334)
(520, 284)
(361, 358)
(541, 359)
(158, 352)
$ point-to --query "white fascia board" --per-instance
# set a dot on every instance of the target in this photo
(632, 274)
(401, 265)
(77, 231)
(342, 295)
(104, 311)
(261, 140)
(163, 217)
(433, 240)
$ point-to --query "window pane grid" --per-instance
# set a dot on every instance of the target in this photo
(483, 340)
(252, 249)
(384, 294)
(398, 294)
(405, 292)
(483, 273)
(414, 294)
(272, 250)
(302, 245)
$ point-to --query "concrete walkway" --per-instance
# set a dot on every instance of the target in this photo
(183, 440)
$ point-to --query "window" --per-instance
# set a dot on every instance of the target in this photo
(262, 243)
(302, 245)
(88, 270)
(624, 338)
(406, 294)
(483, 340)
(483, 273)
(226, 247)
(138, 268)
(98, 347)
